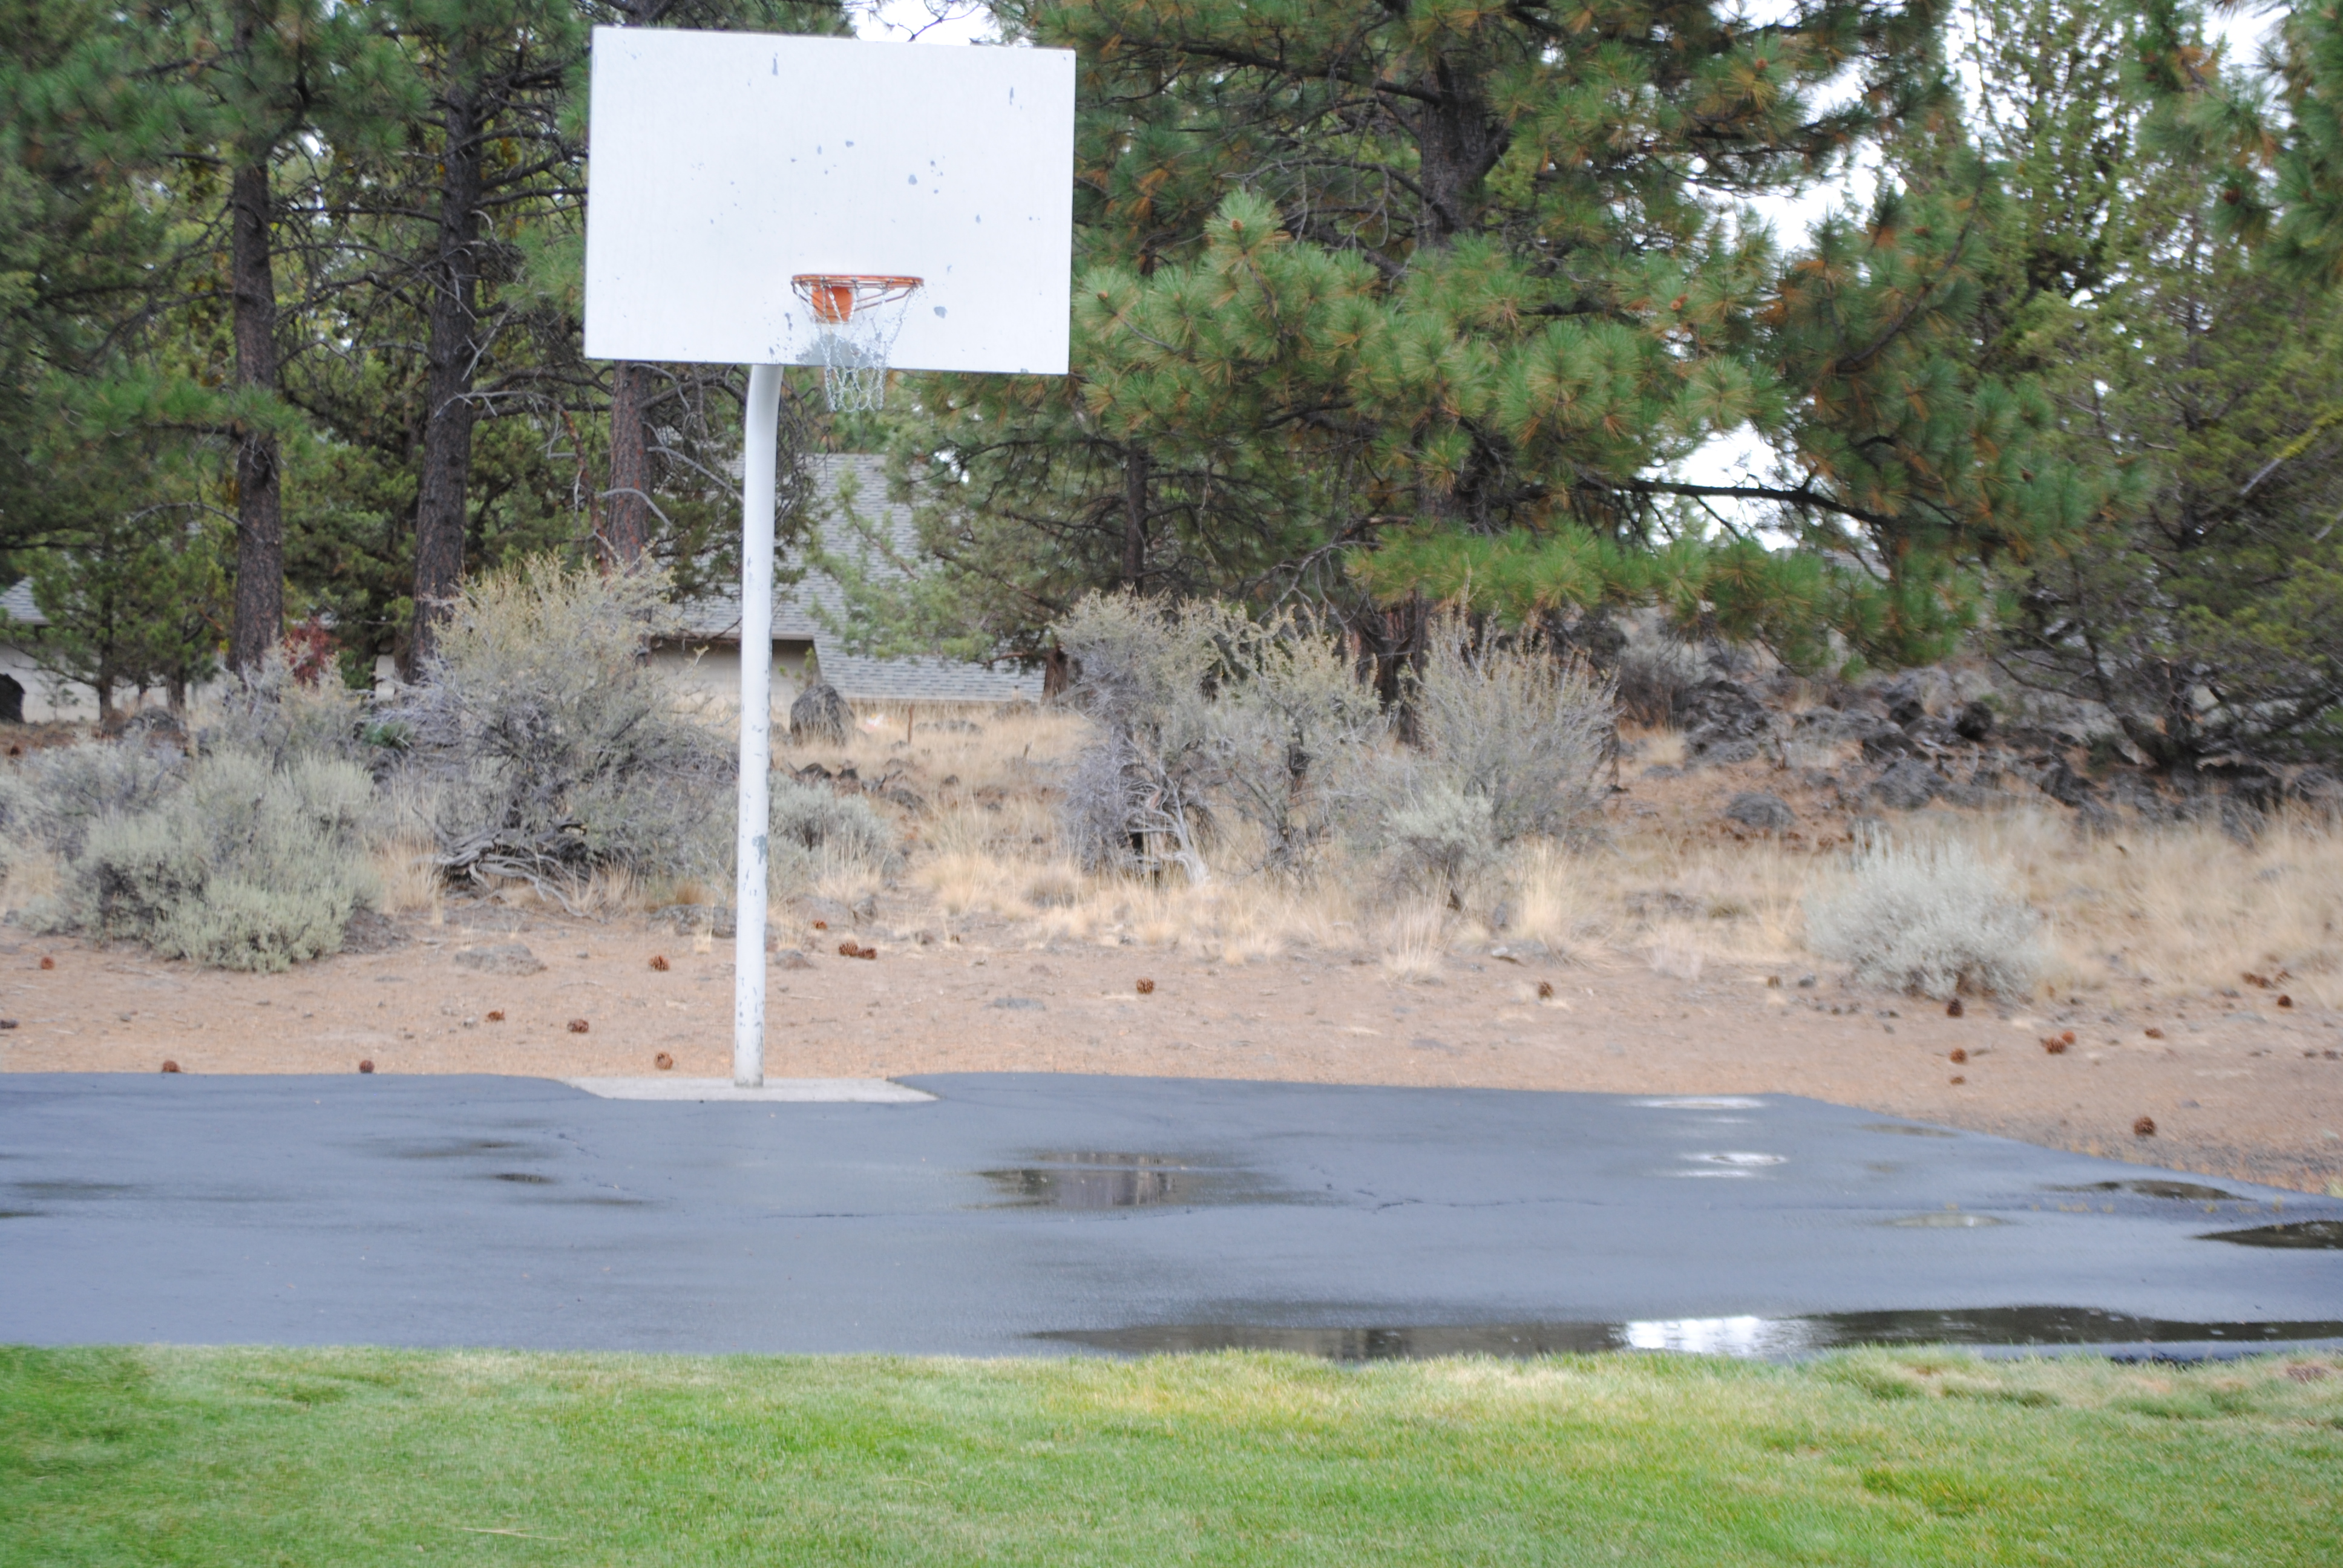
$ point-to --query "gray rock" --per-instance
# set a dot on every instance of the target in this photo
(2066, 786)
(1761, 810)
(1721, 720)
(1974, 722)
(371, 931)
(820, 714)
(792, 958)
(1915, 692)
(500, 959)
(865, 908)
(2137, 793)
(1019, 1004)
(1720, 752)
(1907, 786)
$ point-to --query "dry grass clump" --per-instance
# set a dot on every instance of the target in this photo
(2181, 907)
(983, 752)
(2176, 907)
(1233, 921)
(407, 868)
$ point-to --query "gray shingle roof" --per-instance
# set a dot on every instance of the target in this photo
(17, 605)
(716, 616)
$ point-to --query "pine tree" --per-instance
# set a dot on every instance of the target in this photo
(2197, 367)
(1390, 302)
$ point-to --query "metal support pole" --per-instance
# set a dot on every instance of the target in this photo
(757, 462)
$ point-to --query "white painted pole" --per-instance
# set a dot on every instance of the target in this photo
(757, 460)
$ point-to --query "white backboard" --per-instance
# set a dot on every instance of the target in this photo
(724, 164)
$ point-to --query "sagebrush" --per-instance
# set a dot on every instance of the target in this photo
(816, 831)
(1929, 919)
(233, 859)
(1512, 736)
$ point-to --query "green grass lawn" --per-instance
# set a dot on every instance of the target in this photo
(252, 1457)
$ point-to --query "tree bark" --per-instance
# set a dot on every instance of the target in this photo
(259, 613)
(449, 359)
(1458, 141)
(1135, 469)
(626, 525)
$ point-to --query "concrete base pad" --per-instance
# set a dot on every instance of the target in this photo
(773, 1090)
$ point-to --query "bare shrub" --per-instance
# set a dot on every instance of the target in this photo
(273, 713)
(1195, 708)
(1929, 919)
(1294, 734)
(545, 747)
(1511, 737)
(1136, 798)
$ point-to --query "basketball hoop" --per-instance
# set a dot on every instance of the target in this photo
(856, 316)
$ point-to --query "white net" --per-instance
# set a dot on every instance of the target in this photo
(856, 316)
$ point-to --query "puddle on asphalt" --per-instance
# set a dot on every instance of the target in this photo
(1756, 1337)
(1097, 1179)
(72, 1189)
(2324, 1234)
(458, 1147)
(1947, 1221)
(1906, 1129)
(1738, 1157)
(2185, 1190)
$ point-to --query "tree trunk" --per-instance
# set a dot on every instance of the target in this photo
(1457, 142)
(448, 353)
(259, 614)
(626, 525)
(1135, 468)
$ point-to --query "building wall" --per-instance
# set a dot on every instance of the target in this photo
(712, 671)
(50, 698)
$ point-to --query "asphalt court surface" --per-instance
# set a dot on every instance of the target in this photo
(1043, 1213)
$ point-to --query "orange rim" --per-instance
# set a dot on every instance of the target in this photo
(835, 297)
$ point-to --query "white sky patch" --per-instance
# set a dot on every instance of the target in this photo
(925, 22)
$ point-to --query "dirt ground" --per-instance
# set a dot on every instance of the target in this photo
(2237, 1087)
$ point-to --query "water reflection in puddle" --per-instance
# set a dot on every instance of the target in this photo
(2157, 1188)
(1907, 1130)
(1093, 1180)
(2324, 1234)
(1741, 1157)
(1756, 1337)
